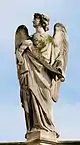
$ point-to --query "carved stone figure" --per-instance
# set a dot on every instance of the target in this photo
(41, 63)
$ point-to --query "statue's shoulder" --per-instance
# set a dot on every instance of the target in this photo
(49, 39)
(38, 40)
(41, 39)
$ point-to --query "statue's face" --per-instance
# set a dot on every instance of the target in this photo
(36, 22)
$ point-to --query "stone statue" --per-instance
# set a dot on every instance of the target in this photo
(41, 63)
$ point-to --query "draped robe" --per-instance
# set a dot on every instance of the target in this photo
(38, 86)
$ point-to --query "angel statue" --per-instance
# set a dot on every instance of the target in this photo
(41, 64)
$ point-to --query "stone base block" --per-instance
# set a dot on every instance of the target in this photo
(41, 138)
(41, 142)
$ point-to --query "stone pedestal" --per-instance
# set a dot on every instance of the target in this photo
(41, 138)
(27, 143)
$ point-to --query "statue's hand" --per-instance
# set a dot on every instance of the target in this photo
(27, 43)
(62, 79)
(60, 75)
(59, 70)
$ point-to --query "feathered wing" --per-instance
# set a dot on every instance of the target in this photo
(61, 44)
(20, 36)
(61, 52)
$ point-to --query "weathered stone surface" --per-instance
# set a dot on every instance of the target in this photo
(41, 64)
(41, 135)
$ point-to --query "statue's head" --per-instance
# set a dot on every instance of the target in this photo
(41, 20)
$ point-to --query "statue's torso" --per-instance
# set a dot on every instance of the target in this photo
(43, 44)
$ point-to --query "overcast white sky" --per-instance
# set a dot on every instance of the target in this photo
(67, 109)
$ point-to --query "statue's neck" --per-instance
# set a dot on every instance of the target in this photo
(40, 29)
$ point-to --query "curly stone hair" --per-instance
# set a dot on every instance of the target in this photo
(44, 20)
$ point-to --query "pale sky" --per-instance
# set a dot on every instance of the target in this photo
(67, 109)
